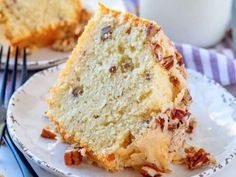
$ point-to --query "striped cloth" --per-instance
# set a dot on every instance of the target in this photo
(217, 63)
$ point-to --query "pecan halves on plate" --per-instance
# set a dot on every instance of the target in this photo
(47, 133)
(72, 157)
(197, 158)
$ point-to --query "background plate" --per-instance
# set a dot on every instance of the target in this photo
(213, 106)
(46, 57)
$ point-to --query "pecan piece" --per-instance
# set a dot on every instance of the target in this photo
(174, 80)
(152, 30)
(178, 114)
(106, 32)
(172, 127)
(72, 157)
(128, 31)
(46, 133)
(197, 158)
(152, 170)
(157, 48)
(113, 69)
(168, 62)
(191, 126)
(78, 91)
(145, 173)
(148, 76)
(179, 58)
(160, 121)
(187, 99)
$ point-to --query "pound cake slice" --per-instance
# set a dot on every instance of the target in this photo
(40, 22)
(122, 94)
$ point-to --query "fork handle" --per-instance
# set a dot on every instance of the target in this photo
(25, 167)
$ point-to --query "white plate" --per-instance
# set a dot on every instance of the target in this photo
(213, 106)
(46, 57)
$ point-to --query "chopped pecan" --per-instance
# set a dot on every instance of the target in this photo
(174, 80)
(191, 126)
(112, 69)
(145, 173)
(178, 114)
(179, 58)
(148, 76)
(157, 49)
(187, 99)
(78, 91)
(172, 127)
(152, 30)
(46, 133)
(155, 167)
(128, 31)
(160, 121)
(197, 158)
(168, 62)
(72, 157)
(106, 32)
(150, 170)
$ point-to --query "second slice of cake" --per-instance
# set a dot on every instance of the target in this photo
(122, 94)
(39, 23)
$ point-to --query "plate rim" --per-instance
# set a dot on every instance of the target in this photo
(50, 168)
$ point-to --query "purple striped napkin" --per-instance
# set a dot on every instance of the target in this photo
(213, 64)
(217, 63)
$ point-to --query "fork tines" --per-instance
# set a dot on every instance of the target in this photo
(14, 72)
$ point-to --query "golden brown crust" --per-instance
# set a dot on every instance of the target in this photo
(102, 161)
(128, 16)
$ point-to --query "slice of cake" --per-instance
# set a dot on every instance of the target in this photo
(69, 41)
(40, 22)
(122, 95)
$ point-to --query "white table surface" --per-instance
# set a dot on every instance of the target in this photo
(9, 168)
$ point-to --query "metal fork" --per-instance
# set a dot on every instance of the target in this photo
(25, 167)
